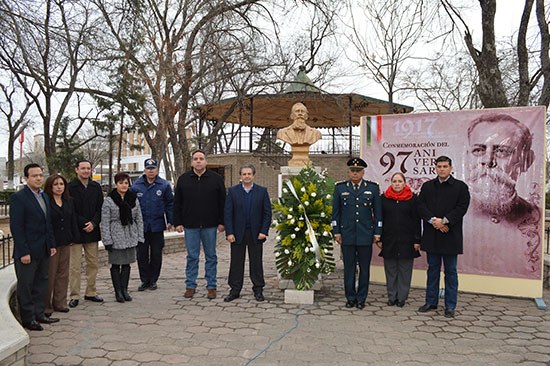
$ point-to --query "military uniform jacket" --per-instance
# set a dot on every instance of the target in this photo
(357, 216)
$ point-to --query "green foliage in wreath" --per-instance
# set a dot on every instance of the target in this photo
(294, 252)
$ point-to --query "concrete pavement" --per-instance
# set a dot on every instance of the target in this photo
(163, 328)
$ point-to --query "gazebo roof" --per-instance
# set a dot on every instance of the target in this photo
(325, 110)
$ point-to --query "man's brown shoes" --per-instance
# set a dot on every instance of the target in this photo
(189, 292)
(211, 293)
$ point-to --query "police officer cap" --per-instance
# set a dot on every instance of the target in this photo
(357, 164)
(151, 163)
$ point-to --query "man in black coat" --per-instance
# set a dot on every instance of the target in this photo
(442, 204)
(33, 244)
(198, 209)
(88, 199)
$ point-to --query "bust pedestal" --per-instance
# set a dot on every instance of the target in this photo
(300, 156)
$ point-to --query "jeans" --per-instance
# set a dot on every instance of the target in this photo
(451, 279)
(193, 238)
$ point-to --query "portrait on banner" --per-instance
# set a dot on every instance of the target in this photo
(499, 153)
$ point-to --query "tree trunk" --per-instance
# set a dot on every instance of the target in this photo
(544, 53)
(11, 163)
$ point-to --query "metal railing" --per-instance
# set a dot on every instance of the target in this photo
(7, 250)
(4, 209)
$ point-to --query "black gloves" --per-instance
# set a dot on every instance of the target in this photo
(109, 248)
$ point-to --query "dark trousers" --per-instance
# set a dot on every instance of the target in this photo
(32, 288)
(451, 279)
(255, 261)
(398, 277)
(149, 256)
(353, 255)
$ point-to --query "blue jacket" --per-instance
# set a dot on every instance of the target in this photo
(235, 212)
(31, 230)
(156, 201)
(357, 216)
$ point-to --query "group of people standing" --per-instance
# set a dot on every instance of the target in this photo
(363, 216)
(52, 228)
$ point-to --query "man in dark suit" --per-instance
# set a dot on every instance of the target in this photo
(247, 216)
(356, 224)
(34, 243)
(442, 204)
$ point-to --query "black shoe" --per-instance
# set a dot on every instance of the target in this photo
(400, 303)
(350, 304)
(45, 320)
(47, 315)
(93, 298)
(449, 313)
(360, 305)
(143, 286)
(73, 303)
(259, 296)
(153, 286)
(426, 307)
(34, 325)
(231, 297)
(392, 302)
(64, 310)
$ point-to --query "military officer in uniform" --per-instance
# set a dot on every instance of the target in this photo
(356, 224)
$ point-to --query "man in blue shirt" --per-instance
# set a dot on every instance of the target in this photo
(156, 201)
(247, 216)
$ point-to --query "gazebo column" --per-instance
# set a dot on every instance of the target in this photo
(251, 122)
(350, 127)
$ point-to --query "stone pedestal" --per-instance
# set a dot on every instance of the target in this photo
(286, 284)
(299, 297)
(300, 156)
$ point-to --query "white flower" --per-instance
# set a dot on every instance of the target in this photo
(301, 218)
(306, 203)
(277, 254)
(306, 250)
(317, 265)
(291, 209)
(323, 214)
(287, 251)
(300, 206)
(325, 233)
(308, 270)
(289, 217)
(325, 250)
(296, 228)
(290, 263)
(278, 238)
(313, 194)
(285, 190)
(292, 222)
(328, 196)
(275, 222)
(303, 189)
(293, 236)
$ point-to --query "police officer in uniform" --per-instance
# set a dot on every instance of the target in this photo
(356, 224)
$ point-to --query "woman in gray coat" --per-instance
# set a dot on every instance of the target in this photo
(121, 230)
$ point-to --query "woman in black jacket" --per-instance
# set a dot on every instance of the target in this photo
(400, 242)
(65, 231)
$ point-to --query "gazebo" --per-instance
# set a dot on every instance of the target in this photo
(259, 117)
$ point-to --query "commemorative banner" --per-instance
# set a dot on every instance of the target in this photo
(499, 154)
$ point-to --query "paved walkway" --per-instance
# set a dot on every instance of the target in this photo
(162, 327)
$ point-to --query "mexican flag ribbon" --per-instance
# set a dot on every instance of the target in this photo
(310, 231)
(373, 126)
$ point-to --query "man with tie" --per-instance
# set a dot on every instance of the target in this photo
(356, 224)
(247, 216)
(34, 243)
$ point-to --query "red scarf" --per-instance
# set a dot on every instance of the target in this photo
(404, 195)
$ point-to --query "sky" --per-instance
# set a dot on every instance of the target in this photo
(507, 19)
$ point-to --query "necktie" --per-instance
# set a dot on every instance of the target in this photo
(356, 187)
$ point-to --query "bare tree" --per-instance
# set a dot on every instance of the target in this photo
(384, 35)
(491, 87)
(16, 116)
(46, 45)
